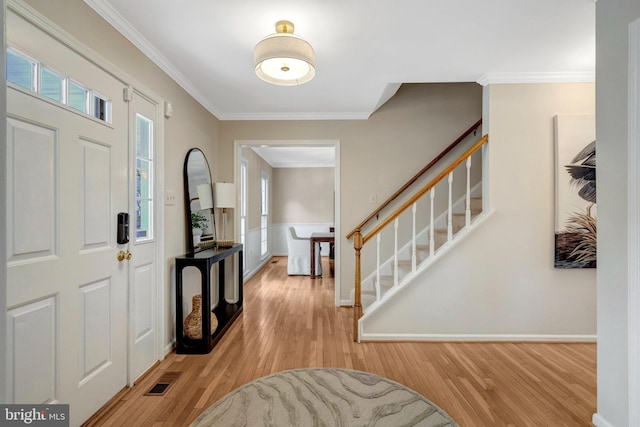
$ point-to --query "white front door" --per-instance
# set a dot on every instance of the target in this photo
(67, 181)
(144, 237)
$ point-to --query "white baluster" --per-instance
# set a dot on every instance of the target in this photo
(432, 239)
(395, 254)
(414, 258)
(468, 208)
(378, 293)
(450, 211)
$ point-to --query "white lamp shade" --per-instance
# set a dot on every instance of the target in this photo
(284, 59)
(204, 194)
(225, 195)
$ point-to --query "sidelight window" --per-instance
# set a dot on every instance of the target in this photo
(144, 178)
(264, 217)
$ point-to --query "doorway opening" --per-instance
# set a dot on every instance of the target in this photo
(295, 163)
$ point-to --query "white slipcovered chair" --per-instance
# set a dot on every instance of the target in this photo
(299, 251)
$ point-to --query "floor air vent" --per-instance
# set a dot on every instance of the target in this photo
(163, 384)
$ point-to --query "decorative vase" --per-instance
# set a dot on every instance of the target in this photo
(193, 321)
(196, 232)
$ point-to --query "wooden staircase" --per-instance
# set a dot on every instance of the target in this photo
(424, 246)
(385, 282)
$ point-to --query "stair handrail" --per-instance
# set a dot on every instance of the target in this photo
(424, 170)
(359, 240)
(406, 205)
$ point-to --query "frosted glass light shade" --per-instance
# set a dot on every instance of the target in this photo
(225, 195)
(204, 194)
(283, 58)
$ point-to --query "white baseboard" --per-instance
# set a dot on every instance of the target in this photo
(477, 337)
(169, 348)
(346, 303)
(249, 274)
(599, 421)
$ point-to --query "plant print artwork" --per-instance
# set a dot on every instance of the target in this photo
(576, 226)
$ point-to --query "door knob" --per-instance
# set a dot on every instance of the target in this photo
(122, 255)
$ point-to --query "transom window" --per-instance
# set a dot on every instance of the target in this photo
(30, 74)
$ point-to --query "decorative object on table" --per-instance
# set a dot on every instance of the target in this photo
(198, 222)
(225, 198)
(327, 396)
(198, 198)
(575, 219)
(193, 321)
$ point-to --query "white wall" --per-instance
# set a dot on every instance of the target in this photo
(500, 282)
(612, 53)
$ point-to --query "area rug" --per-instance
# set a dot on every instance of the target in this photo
(323, 397)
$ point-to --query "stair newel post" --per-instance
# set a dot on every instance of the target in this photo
(378, 289)
(450, 209)
(395, 253)
(468, 208)
(414, 260)
(357, 304)
(432, 231)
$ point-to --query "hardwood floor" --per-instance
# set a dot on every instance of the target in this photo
(291, 322)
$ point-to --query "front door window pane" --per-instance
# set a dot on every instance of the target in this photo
(77, 97)
(144, 178)
(51, 85)
(21, 71)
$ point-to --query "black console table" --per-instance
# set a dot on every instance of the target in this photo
(225, 312)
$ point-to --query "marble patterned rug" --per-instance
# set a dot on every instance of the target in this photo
(323, 397)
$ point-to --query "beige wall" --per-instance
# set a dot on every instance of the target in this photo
(501, 280)
(256, 167)
(376, 155)
(303, 195)
(190, 126)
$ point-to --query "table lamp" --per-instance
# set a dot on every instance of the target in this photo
(225, 198)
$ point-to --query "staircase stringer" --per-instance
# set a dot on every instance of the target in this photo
(387, 265)
(427, 264)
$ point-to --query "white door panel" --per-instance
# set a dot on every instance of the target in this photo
(143, 279)
(68, 181)
(81, 323)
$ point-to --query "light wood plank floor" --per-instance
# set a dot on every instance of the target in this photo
(291, 322)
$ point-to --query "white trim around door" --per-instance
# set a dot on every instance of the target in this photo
(238, 144)
(633, 252)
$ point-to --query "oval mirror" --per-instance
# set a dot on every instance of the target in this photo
(200, 222)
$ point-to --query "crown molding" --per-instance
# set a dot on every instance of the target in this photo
(123, 26)
(294, 116)
(550, 77)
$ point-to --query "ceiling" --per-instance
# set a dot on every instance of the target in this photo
(297, 156)
(364, 49)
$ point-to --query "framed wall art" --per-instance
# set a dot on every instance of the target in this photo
(575, 192)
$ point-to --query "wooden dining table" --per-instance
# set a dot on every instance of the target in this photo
(318, 237)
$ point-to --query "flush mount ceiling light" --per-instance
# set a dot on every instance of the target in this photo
(283, 58)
